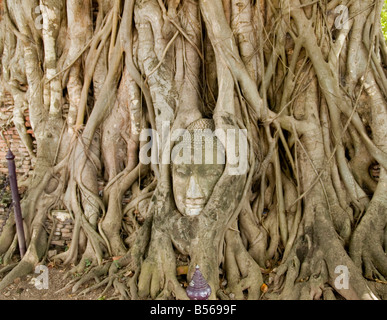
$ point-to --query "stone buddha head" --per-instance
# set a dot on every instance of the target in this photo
(194, 178)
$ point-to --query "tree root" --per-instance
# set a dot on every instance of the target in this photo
(93, 274)
(310, 271)
(37, 245)
(158, 271)
(301, 281)
(366, 247)
(284, 281)
(189, 69)
(159, 281)
(23, 268)
(114, 272)
(243, 273)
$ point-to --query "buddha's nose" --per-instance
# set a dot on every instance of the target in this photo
(194, 191)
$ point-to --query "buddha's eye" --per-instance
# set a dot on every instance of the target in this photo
(183, 171)
(213, 171)
(215, 174)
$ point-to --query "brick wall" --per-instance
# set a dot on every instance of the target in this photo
(63, 232)
(22, 158)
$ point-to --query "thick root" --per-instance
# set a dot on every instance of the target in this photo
(243, 273)
(158, 272)
(93, 274)
(159, 282)
(22, 269)
(366, 247)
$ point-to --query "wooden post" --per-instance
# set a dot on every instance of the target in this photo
(16, 202)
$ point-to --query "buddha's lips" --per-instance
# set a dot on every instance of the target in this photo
(194, 207)
(195, 204)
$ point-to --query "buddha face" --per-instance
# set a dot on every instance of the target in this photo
(193, 183)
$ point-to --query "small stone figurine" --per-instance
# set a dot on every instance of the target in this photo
(198, 288)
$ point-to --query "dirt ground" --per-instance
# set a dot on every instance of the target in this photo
(25, 288)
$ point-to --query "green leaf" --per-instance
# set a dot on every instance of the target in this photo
(87, 263)
(384, 19)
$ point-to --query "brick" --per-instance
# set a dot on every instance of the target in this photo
(23, 161)
(52, 253)
(59, 243)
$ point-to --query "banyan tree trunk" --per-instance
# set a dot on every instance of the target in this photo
(303, 82)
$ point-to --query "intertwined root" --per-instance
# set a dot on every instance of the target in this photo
(294, 280)
(157, 277)
(158, 282)
(319, 112)
(367, 248)
(243, 273)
